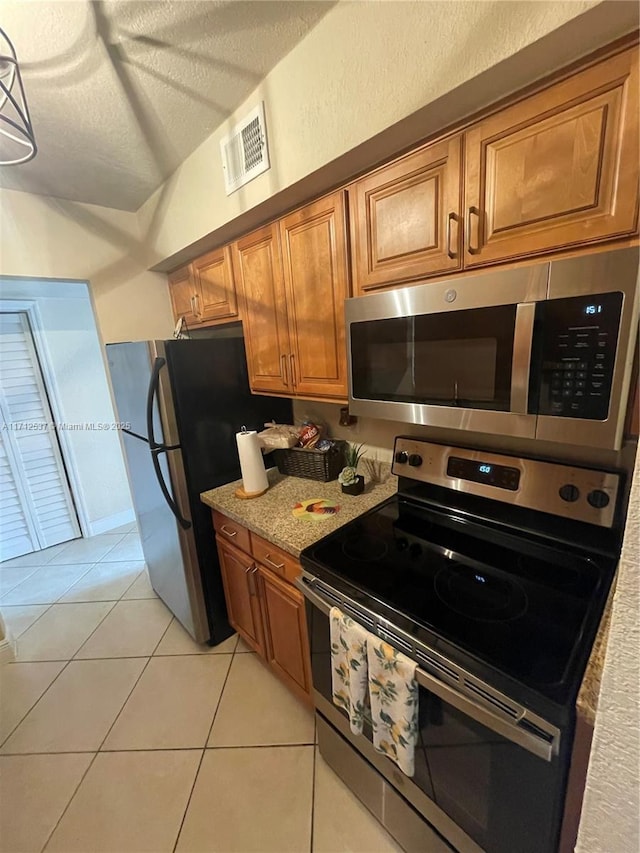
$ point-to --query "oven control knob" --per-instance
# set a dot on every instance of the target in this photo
(415, 460)
(569, 493)
(598, 498)
(402, 456)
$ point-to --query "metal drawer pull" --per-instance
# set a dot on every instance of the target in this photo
(272, 564)
(285, 379)
(226, 530)
(452, 217)
(293, 370)
(473, 250)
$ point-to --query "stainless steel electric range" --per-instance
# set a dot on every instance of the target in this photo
(491, 573)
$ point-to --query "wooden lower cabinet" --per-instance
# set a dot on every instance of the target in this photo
(241, 593)
(265, 608)
(285, 632)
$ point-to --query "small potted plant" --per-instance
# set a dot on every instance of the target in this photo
(352, 483)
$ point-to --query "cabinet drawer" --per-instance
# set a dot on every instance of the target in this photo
(231, 531)
(274, 558)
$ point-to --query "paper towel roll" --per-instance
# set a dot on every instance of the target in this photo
(254, 477)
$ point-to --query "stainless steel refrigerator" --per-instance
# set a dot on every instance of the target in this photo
(183, 402)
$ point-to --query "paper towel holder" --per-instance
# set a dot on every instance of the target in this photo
(240, 492)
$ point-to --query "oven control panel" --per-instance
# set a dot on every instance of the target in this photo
(582, 494)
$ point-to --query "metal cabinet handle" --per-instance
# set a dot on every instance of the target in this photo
(293, 370)
(452, 217)
(283, 371)
(250, 571)
(473, 250)
(193, 310)
(272, 564)
(229, 532)
(196, 299)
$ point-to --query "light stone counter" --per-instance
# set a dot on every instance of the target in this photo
(271, 516)
(587, 702)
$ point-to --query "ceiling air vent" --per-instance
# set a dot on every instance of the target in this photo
(244, 151)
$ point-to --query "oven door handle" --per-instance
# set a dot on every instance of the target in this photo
(508, 728)
(544, 745)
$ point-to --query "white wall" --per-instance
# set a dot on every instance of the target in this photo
(71, 352)
(43, 237)
(364, 67)
(610, 820)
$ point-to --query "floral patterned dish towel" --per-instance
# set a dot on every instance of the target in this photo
(393, 691)
(349, 684)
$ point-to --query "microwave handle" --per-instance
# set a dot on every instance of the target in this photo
(521, 362)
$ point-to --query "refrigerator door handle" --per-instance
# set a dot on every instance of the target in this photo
(154, 383)
(161, 448)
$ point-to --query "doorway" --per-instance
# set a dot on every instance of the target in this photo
(36, 505)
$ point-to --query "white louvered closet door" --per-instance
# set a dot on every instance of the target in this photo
(36, 507)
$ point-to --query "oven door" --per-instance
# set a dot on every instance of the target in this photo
(453, 354)
(482, 781)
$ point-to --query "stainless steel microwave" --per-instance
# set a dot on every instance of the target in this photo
(543, 351)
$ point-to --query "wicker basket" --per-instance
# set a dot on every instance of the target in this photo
(312, 464)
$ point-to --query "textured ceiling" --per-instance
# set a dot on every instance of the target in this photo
(121, 92)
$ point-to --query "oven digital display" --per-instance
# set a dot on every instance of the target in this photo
(501, 476)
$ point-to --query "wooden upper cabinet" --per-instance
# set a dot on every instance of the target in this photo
(215, 289)
(557, 169)
(182, 295)
(314, 250)
(405, 218)
(257, 265)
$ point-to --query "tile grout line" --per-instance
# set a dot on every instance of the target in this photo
(47, 566)
(47, 607)
(71, 798)
(204, 749)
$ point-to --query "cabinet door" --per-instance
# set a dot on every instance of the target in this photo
(182, 293)
(406, 218)
(314, 250)
(258, 272)
(215, 293)
(556, 169)
(286, 643)
(240, 581)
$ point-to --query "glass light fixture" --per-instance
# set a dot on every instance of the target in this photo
(17, 140)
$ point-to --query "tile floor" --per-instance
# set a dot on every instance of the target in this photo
(118, 733)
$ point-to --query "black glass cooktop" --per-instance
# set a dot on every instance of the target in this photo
(514, 603)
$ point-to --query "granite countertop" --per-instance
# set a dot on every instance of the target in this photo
(271, 516)
(587, 702)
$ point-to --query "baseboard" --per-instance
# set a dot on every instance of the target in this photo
(110, 522)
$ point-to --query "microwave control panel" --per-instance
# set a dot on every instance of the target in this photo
(577, 355)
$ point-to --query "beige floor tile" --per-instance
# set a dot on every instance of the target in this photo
(34, 792)
(177, 641)
(140, 588)
(11, 576)
(257, 709)
(243, 648)
(173, 704)
(356, 830)
(129, 548)
(19, 617)
(89, 550)
(129, 802)
(132, 628)
(251, 801)
(104, 582)
(21, 685)
(35, 558)
(46, 584)
(79, 708)
(61, 631)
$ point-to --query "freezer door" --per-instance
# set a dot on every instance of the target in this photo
(168, 550)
